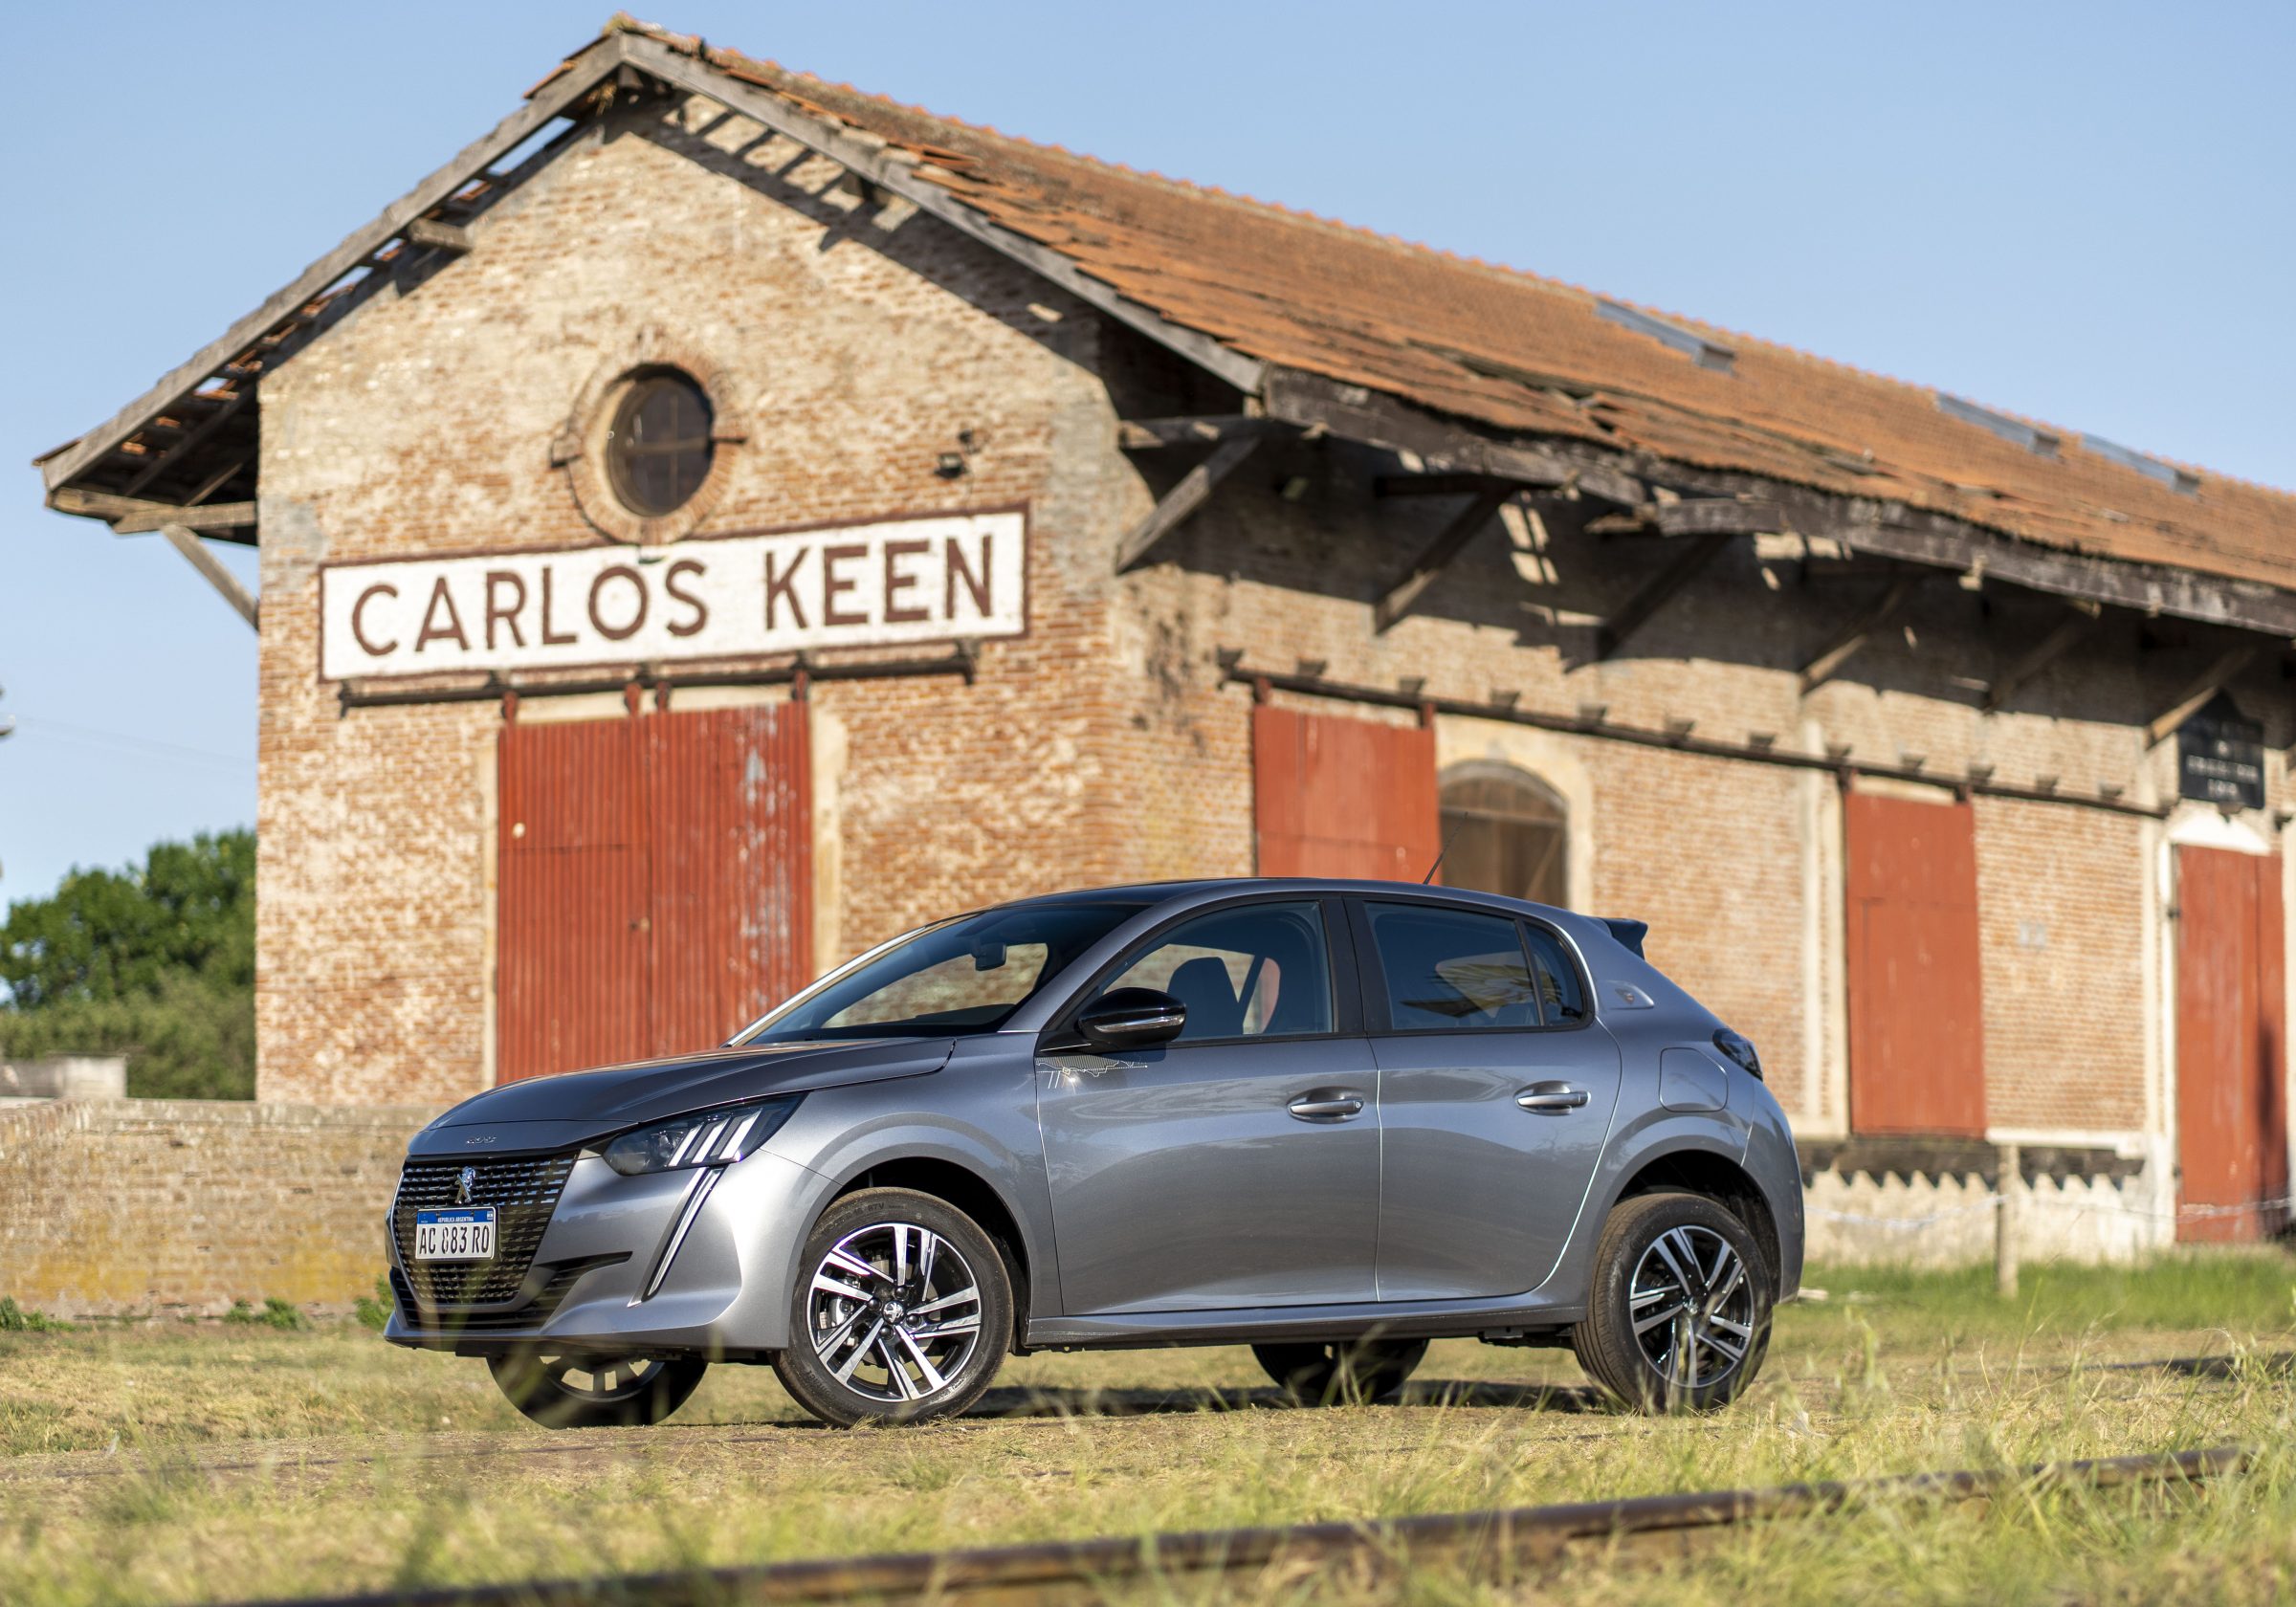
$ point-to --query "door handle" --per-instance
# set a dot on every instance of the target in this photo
(1327, 1105)
(1550, 1098)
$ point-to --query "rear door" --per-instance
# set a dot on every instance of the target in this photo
(1496, 1088)
(1238, 1165)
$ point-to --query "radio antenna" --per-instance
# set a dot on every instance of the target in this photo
(1442, 848)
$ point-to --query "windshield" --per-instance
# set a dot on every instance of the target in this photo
(960, 977)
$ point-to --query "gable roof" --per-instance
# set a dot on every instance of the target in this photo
(1252, 291)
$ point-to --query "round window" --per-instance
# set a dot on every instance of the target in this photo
(657, 447)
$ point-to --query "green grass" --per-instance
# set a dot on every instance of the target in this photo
(169, 1462)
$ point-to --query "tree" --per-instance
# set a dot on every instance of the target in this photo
(155, 961)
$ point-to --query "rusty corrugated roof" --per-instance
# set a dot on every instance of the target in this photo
(1517, 352)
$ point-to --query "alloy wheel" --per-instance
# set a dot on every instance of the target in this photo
(893, 1311)
(602, 1381)
(1692, 1307)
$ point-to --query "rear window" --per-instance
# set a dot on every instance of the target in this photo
(1446, 970)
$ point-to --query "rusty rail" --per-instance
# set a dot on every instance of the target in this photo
(1487, 1541)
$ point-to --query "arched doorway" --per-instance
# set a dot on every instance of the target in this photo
(1504, 831)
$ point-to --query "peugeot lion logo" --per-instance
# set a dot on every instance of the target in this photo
(464, 1184)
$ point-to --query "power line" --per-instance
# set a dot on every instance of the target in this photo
(66, 730)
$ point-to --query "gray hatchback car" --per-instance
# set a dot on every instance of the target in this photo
(1330, 1120)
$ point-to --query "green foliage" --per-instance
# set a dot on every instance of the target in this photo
(375, 1312)
(14, 1319)
(275, 1313)
(156, 962)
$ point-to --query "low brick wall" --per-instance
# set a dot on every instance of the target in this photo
(134, 1206)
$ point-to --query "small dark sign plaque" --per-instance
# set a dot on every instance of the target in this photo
(2220, 756)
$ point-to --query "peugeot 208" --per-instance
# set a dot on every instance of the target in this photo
(1330, 1120)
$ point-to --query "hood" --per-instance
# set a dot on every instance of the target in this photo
(556, 1112)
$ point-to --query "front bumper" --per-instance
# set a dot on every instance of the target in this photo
(724, 1296)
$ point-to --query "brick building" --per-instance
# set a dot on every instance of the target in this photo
(723, 519)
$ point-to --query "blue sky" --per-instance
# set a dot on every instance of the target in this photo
(2078, 213)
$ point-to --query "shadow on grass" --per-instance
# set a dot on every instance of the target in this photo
(1042, 1402)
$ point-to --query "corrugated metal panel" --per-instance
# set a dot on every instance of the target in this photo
(1916, 979)
(1337, 796)
(2231, 1037)
(732, 832)
(655, 883)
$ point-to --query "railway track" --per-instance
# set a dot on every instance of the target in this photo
(1498, 1542)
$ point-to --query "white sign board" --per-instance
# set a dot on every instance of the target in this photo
(729, 597)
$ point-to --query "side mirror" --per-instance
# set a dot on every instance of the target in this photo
(1132, 1018)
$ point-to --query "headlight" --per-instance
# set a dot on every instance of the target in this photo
(704, 1139)
(1740, 1049)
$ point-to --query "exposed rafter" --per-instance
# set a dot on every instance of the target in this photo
(2079, 621)
(558, 98)
(896, 177)
(1879, 528)
(1463, 526)
(1715, 515)
(1154, 434)
(1682, 569)
(1181, 501)
(209, 566)
(1844, 645)
(2194, 697)
(131, 516)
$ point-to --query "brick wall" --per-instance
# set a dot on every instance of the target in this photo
(1107, 743)
(158, 1206)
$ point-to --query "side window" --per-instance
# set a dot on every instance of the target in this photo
(1560, 996)
(1258, 972)
(1447, 969)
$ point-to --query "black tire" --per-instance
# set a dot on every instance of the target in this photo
(893, 1381)
(594, 1391)
(1349, 1371)
(1706, 1319)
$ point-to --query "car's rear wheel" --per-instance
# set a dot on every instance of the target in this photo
(901, 1314)
(1342, 1373)
(594, 1391)
(1678, 1319)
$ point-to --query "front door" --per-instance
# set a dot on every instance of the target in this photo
(1496, 1088)
(1237, 1165)
(2230, 1055)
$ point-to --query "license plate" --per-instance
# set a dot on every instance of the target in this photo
(467, 1234)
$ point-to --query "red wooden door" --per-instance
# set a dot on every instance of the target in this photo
(656, 884)
(1337, 797)
(2231, 1120)
(1916, 981)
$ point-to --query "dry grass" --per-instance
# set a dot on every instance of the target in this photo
(163, 1462)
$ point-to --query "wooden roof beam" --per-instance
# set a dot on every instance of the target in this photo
(1844, 645)
(1684, 567)
(1154, 434)
(1872, 527)
(890, 171)
(436, 235)
(2081, 619)
(556, 99)
(1179, 504)
(210, 568)
(1464, 525)
(2194, 697)
(132, 516)
(1716, 516)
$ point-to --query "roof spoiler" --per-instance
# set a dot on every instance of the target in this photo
(1630, 934)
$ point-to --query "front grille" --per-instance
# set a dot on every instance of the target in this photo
(523, 1190)
(532, 1314)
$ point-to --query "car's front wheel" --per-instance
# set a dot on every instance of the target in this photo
(594, 1391)
(1343, 1373)
(1678, 1319)
(901, 1312)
